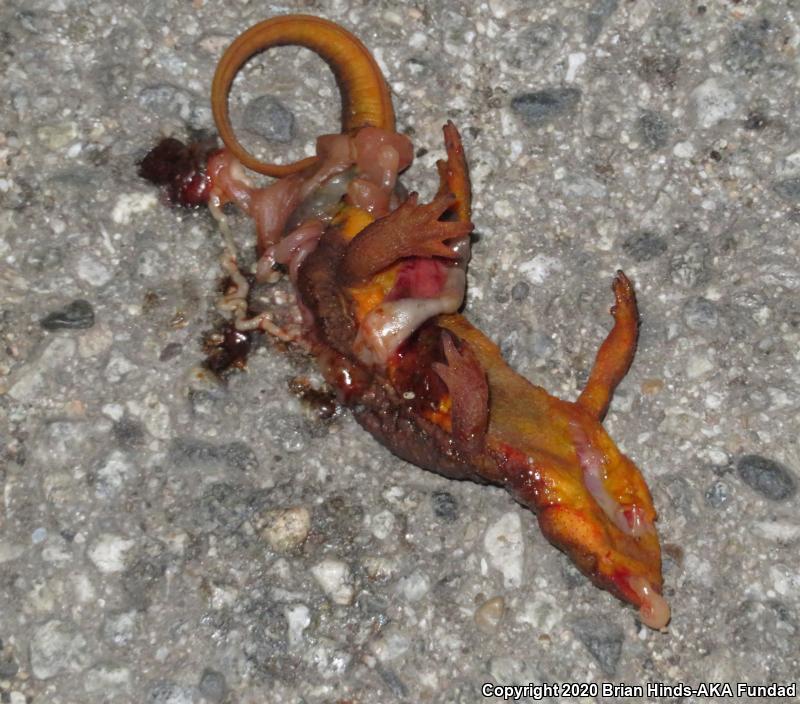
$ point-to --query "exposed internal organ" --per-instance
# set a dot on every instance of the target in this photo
(392, 322)
(380, 156)
(291, 251)
(629, 518)
(271, 206)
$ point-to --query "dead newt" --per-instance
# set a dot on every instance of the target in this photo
(380, 278)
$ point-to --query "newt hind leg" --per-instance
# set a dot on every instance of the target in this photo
(616, 353)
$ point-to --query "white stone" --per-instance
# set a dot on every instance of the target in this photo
(382, 524)
(287, 529)
(536, 270)
(684, 150)
(298, 618)
(130, 204)
(414, 586)
(57, 647)
(93, 271)
(698, 366)
(108, 552)
(390, 644)
(113, 474)
(32, 379)
(335, 579)
(107, 678)
(713, 102)
(574, 62)
(504, 545)
(778, 530)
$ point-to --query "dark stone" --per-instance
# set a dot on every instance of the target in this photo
(172, 350)
(445, 506)
(538, 38)
(690, 267)
(756, 120)
(225, 507)
(660, 70)
(764, 627)
(240, 455)
(681, 495)
(168, 692)
(603, 639)
(393, 681)
(267, 117)
(746, 49)
(520, 291)
(700, 314)
(769, 478)
(542, 106)
(572, 576)
(78, 315)
(717, 494)
(644, 246)
(212, 686)
(8, 667)
(654, 130)
(192, 451)
(788, 188)
(128, 433)
(597, 17)
(143, 575)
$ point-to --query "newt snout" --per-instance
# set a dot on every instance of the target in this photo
(380, 279)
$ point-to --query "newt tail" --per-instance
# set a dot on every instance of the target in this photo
(380, 277)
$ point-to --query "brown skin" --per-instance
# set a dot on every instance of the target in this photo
(542, 449)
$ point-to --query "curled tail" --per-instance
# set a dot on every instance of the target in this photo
(365, 94)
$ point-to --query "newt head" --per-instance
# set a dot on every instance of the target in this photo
(599, 511)
(555, 456)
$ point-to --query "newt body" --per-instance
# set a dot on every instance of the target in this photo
(380, 278)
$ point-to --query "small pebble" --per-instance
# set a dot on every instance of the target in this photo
(57, 647)
(788, 189)
(445, 506)
(268, 117)
(520, 291)
(505, 547)
(212, 686)
(78, 315)
(335, 579)
(700, 314)
(771, 479)
(717, 494)
(489, 614)
(286, 529)
(540, 107)
(644, 246)
(108, 552)
(653, 129)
